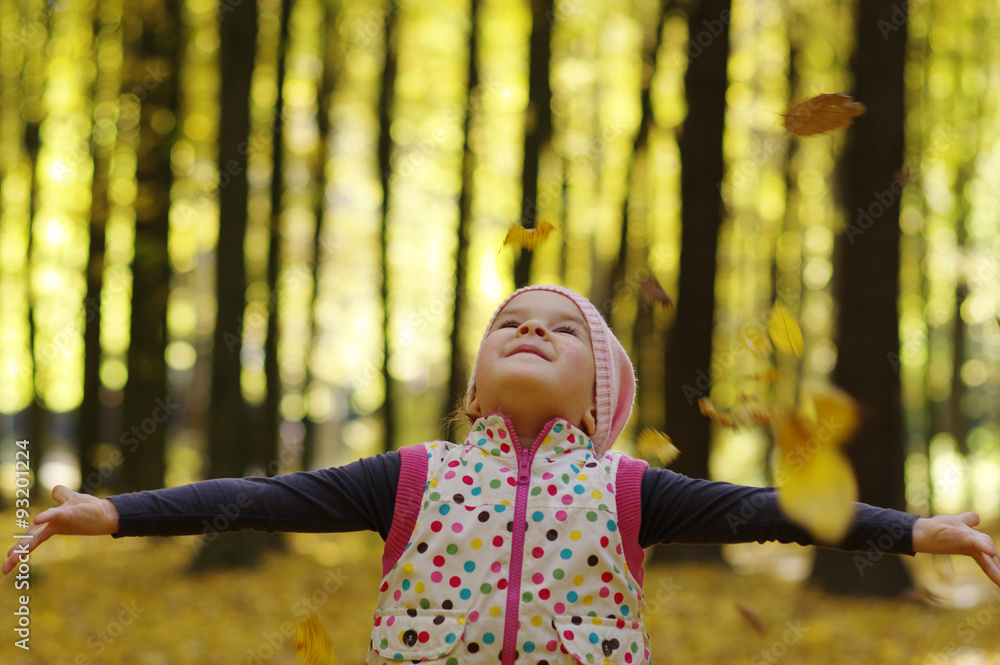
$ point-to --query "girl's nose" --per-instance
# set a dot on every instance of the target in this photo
(531, 326)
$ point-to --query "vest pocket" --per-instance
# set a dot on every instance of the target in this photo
(596, 640)
(409, 634)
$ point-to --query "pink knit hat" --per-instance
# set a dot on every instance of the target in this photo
(614, 379)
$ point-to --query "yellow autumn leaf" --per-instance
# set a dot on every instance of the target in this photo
(312, 644)
(784, 330)
(756, 341)
(528, 238)
(816, 485)
(832, 411)
(651, 444)
(817, 491)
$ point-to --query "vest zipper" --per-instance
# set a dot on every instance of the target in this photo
(512, 610)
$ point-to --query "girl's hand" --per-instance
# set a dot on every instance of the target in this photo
(78, 515)
(953, 534)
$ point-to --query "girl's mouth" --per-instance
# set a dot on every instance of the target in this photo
(527, 348)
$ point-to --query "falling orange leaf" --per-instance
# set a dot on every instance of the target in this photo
(769, 375)
(751, 617)
(651, 444)
(822, 113)
(312, 644)
(654, 293)
(747, 416)
(528, 238)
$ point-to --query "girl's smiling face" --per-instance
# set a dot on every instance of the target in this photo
(536, 363)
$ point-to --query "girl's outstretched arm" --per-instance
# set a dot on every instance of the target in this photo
(78, 514)
(953, 534)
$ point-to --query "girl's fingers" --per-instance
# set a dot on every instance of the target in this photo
(62, 494)
(970, 518)
(990, 566)
(24, 547)
(48, 515)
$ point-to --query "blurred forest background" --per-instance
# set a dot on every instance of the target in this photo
(257, 237)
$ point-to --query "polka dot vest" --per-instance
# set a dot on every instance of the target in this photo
(514, 554)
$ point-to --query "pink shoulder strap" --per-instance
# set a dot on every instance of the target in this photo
(628, 493)
(409, 491)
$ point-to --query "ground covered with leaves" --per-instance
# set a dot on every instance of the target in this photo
(102, 601)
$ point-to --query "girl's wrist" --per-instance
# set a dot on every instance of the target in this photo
(918, 533)
(111, 513)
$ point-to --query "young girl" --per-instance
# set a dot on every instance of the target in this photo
(526, 540)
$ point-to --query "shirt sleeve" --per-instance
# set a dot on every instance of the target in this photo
(678, 509)
(359, 496)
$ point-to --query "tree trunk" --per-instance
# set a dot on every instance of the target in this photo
(88, 428)
(385, 169)
(228, 452)
(458, 372)
(269, 437)
(107, 89)
(868, 286)
(537, 124)
(603, 294)
(147, 406)
(689, 352)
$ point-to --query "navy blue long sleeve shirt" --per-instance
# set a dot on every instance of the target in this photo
(361, 496)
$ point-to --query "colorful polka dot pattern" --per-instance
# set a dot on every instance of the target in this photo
(597, 640)
(458, 559)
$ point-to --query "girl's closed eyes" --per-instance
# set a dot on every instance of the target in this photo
(562, 328)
